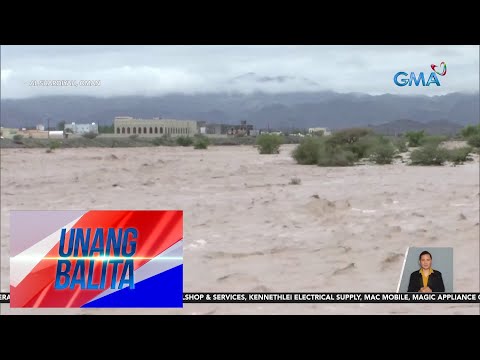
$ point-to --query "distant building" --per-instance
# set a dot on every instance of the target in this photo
(40, 127)
(239, 130)
(242, 129)
(7, 133)
(318, 129)
(55, 134)
(126, 125)
(217, 129)
(202, 127)
(81, 128)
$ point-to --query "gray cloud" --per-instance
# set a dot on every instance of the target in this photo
(155, 70)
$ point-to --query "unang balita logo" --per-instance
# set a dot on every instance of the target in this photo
(402, 78)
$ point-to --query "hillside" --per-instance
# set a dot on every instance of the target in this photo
(282, 111)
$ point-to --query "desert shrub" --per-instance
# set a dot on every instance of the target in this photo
(335, 156)
(231, 140)
(433, 140)
(429, 155)
(474, 140)
(415, 138)
(201, 142)
(295, 181)
(459, 155)
(184, 141)
(362, 147)
(348, 136)
(401, 145)
(269, 143)
(317, 150)
(470, 130)
(345, 150)
(133, 136)
(52, 145)
(382, 153)
(165, 140)
(307, 152)
(157, 141)
(90, 135)
(17, 139)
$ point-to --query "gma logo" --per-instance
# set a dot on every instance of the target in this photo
(403, 79)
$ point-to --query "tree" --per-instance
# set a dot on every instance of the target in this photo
(61, 125)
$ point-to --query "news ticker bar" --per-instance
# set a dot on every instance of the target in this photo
(4, 298)
(317, 298)
(297, 297)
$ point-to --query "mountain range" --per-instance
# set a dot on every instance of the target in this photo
(264, 110)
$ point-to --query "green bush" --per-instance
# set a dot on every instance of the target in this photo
(335, 156)
(317, 150)
(401, 145)
(133, 136)
(345, 150)
(52, 145)
(184, 141)
(348, 136)
(470, 130)
(474, 140)
(308, 151)
(18, 138)
(269, 143)
(362, 147)
(429, 155)
(201, 142)
(459, 155)
(90, 135)
(382, 153)
(157, 141)
(415, 138)
(165, 140)
(433, 140)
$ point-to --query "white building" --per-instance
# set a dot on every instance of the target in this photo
(81, 128)
(55, 134)
(317, 129)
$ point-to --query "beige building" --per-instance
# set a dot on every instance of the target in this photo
(126, 125)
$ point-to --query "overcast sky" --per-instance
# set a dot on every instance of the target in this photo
(156, 70)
